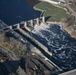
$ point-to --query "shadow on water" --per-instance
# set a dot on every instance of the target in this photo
(8, 67)
(47, 18)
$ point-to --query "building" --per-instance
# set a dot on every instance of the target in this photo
(54, 1)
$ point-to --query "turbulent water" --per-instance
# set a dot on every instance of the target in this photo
(59, 42)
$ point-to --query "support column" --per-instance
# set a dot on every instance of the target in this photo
(43, 19)
(18, 26)
(10, 27)
(37, 21)
(25, 24)
(26, 27)
(31, 23)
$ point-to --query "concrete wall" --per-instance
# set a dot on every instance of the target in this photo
(28, 23)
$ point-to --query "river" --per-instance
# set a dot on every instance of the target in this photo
(15, 11)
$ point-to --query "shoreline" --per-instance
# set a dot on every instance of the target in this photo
(68, 29)
(37, 9)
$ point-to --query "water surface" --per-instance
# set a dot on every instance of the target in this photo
(15, 11)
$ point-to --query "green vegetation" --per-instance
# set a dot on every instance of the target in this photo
(56, 13)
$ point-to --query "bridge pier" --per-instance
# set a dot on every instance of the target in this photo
(26, 27)
(31, 23)
(10, 27)
(43, 19)
(18, 26)
(37, 21)
(25, 24)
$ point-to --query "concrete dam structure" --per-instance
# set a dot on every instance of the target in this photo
(27, 26)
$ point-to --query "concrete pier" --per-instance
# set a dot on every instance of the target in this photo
(37, 21)
(10, 27)
(18, 26)
(31, 23)
(26, 27)
(25, 23)
(43, 19)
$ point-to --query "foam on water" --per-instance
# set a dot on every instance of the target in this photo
(59, 42)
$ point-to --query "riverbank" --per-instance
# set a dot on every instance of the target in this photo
(55, 13)
(70, 30)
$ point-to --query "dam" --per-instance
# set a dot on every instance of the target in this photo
(27, 25)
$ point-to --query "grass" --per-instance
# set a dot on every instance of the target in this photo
(56, 13)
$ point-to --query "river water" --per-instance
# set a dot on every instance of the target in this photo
(59, 42)
(15, 11)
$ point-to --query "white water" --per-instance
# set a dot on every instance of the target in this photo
(59, 43)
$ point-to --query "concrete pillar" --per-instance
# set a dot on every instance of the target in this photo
(37, 21)
(26, 27)
(31, 23)
(43, 19)
(18, 26)
(25, 24)
(10, 27)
